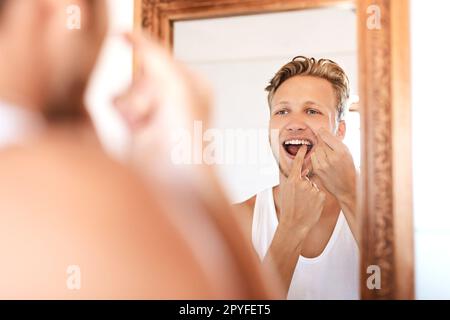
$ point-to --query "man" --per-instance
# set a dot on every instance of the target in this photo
(306, 224)
(74, 223)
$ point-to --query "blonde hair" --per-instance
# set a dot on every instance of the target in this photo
(322, 68)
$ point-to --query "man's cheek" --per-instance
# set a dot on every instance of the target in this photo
(274, 141)
(275, 146)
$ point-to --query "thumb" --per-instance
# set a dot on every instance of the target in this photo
(305, 173)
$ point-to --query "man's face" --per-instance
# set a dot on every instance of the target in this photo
(300, 107)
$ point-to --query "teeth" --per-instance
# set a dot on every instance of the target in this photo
(297, 142)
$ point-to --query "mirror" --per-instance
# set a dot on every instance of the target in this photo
(238, 56)
(239, 47)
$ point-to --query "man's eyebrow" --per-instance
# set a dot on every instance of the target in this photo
(309, 102)
(306, 103)
(283, 102)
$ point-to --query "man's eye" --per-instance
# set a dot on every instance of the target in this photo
(282, 112)
(312, 111)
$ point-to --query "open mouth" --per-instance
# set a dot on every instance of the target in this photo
(292, 146)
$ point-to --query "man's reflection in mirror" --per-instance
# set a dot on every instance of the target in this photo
(305, 226)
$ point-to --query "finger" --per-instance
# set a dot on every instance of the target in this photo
(321, 154)
(330, 140)
(136, 120)
(155, 79)
(139, 41)
(323, 146)
(137, 98)
(135, 106)
(153, 59)
(296, 171)
(316, 164)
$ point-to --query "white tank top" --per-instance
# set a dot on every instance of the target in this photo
(334, 274)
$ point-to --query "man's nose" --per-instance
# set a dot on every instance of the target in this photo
(296, 125)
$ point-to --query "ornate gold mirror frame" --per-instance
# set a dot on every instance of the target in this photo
(385, 200)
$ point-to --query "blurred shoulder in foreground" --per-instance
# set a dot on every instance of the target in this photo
(67, 206)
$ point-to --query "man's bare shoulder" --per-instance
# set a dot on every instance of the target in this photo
(247, 205)
(64, 199)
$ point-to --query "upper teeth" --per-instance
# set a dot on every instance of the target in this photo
(298, 142)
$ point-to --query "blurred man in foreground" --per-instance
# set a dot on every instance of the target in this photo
(73, 222)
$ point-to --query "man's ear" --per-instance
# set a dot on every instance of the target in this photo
(341, 130)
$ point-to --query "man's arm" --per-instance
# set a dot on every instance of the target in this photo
(333, 164)
(283, 254)
(348, 205)
(297, 217)
(284, 250)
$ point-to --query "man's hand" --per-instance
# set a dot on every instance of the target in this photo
(301, 201)
(164, 96)
(301, 206)
(333, 164)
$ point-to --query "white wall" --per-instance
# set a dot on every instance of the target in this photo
(430, 29)
(111, 75)
(239, 55)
